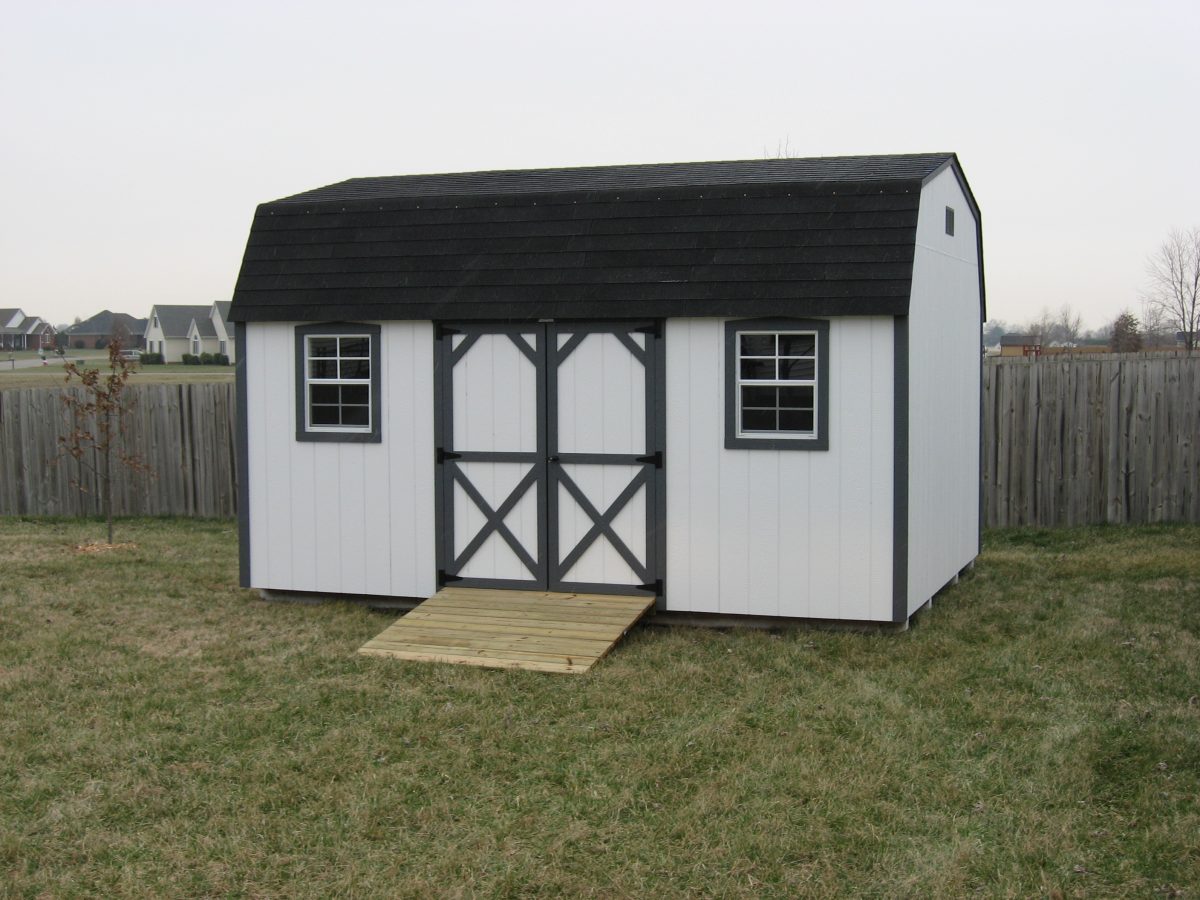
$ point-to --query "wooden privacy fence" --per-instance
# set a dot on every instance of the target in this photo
(1066, 442)
(185, 434)
(1108, 438)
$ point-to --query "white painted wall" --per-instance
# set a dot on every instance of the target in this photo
(494, 395)
(944, 385)
(345, 518)
(781, 533)
(224, 334)
(602, 409)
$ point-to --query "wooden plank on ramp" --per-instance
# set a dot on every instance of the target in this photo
(539, 630)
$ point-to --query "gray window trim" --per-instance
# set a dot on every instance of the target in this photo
(375, 435)
(732, 440)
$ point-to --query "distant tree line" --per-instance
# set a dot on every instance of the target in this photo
(1170, 307)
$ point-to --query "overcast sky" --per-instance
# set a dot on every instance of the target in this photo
(139, 136)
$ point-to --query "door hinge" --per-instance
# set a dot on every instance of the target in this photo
(443, 454)
(443, 578)
(656, 457)
(655, 587)
(446, 330)
(655, 329)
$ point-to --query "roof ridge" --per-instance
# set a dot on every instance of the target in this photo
(864, 168)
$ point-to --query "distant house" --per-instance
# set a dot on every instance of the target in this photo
(168, 330)
(201, 336)
(1020, 345)
(39, 333)
(210, 334)
(96, 332)
(220, 320)
(21, 332)
(1184, 339)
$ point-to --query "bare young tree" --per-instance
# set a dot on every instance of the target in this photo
(1158, 331)
(98, 424)
(1174, 290)
(1042, 328)
(1068, 326)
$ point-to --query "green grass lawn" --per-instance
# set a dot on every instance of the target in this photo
(163, 733)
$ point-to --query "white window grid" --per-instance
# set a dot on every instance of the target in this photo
(310, 380)
(739, 381)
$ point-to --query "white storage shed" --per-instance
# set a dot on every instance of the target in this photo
(751, 389)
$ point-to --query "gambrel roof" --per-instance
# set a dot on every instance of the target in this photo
(830, 236)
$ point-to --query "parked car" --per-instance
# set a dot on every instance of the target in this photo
(134, 355)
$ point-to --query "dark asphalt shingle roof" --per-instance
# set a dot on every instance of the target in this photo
(757, 237)
(825, 170)
(1018, 340)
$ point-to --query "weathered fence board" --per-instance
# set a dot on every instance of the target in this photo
(184, 433)
(1073, 441)
(1067, 441)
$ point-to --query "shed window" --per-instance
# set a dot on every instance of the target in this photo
(337, 383)
(777, 384)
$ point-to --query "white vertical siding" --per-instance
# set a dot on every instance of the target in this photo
(345, 518)
(781, 532)
(944, 373)
(601, 408)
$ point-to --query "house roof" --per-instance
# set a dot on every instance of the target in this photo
(222, 308)
(7, 315)
(175, 320)
(759, 237)
(1018, 340)
(105, 322)
(204, 326)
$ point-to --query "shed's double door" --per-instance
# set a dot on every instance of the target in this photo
(549, 456)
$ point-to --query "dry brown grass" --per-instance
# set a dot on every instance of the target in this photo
(163, 733)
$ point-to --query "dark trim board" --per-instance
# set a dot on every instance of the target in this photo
(447, 456)
(732, 440)
(900, 471)
(684, 619)
(477, 304)
(243, 454)
(378, 602)
(375, 435)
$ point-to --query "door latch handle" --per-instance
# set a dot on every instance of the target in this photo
(551, 459)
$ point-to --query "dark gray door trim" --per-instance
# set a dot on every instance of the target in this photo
(546, 472)
(447, 459)
(652, 463)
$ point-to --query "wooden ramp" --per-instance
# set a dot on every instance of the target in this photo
(538, 630)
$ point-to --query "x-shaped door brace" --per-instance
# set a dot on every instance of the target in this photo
(602, 523)
(495, 519)
(577, 338)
